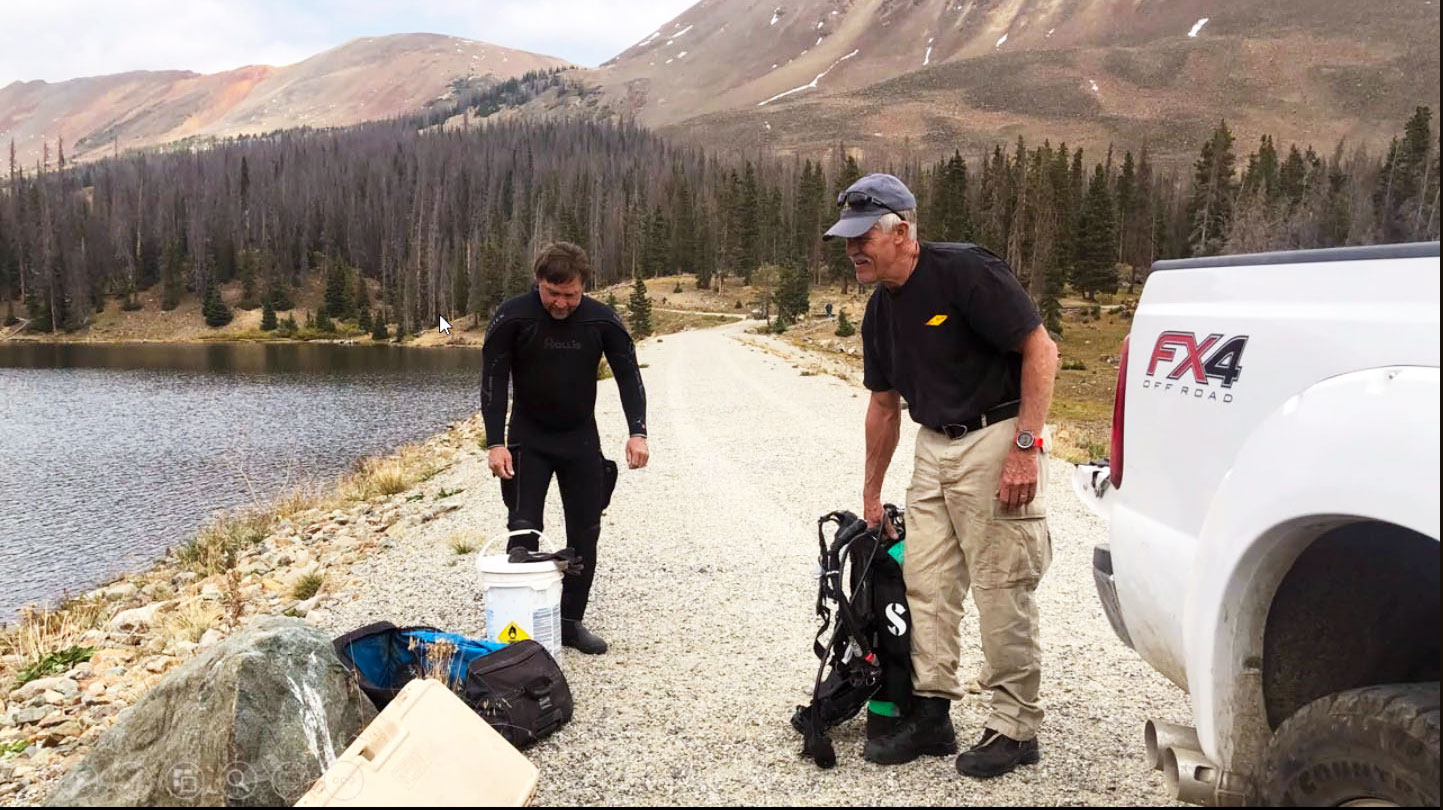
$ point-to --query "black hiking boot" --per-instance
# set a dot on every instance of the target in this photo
(576, 636)
(925, 731)
(996, 754)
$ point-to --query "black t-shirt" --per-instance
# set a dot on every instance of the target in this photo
(947, 339)
(552, 365)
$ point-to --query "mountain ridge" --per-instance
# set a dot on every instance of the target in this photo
(363, 79)
(898, 78)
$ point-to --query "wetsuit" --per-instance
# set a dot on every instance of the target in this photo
(551, 366)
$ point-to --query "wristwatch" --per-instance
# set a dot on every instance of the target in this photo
(1026, 440)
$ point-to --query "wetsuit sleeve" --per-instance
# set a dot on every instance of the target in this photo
(621, 354)
(496, 354)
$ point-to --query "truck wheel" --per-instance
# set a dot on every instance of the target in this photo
(1375, 745)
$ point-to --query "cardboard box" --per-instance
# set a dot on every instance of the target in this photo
(426, 749)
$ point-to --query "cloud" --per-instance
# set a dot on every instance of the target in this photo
(56, 40)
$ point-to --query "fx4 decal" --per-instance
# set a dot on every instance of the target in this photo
(1211, 358)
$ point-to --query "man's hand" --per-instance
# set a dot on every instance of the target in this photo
(1019, 479)
(499, 460)
(872, 513)
(637, 453)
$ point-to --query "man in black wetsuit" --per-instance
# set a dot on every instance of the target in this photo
(548, 343)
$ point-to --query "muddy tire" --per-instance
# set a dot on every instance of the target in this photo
(1378, 742)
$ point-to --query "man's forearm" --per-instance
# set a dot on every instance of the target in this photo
(633, 402)
(1039, 370)
(884, 427)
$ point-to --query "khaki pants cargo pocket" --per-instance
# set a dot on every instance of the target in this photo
(1016, 551)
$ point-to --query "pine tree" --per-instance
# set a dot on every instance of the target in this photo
(378, 329)
(844, 326)
(704, 255)
(172, 276)
(1261, 173)
(1403, 195)
(268, 317)
(37, 306)
(1094, 269)
(338, 301)
(808, 206)
(655, 255)
(1126, 199)
(1293, 177)
(215, 311)
(793, 293)
(1210, 207)
(246, 262)
(1137, 243)
(1052, 315)
(745, 220)
(684, 251)
(323, 321)
(361, 299)
(640, 310)
(363, 321)
(493, 276)
(841, 266)
(949, 195)
(280, 295)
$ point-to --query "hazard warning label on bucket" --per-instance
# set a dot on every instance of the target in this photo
(513, 633)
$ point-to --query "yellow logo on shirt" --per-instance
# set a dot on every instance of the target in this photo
(937, 320)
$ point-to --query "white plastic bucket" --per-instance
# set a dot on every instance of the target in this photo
(521, 596)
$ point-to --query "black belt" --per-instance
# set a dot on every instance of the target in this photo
(992, 417)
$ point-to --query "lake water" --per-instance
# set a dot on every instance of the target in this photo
(110, 454)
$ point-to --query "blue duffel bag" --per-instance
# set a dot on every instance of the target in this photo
(385, 657)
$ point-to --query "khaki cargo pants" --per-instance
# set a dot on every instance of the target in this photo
(959, 537)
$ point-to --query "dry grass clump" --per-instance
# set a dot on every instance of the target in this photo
(296, 500)
(45, 639)
(436, 660)
(214, 547)
(388, 475)
(191, 621)
(308, 586)
(463, 542)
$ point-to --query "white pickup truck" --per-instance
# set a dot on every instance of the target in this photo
(1273, 498)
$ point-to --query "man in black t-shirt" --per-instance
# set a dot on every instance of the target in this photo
(951, 330)
(547, 345)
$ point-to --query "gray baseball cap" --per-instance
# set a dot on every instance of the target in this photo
(866, 201)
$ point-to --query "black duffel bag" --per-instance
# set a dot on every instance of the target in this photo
(520, 691)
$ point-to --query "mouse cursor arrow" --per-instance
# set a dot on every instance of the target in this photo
(445, 326)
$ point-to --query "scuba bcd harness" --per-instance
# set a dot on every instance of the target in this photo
(862, 598)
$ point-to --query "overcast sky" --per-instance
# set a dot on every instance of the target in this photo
(56, 40)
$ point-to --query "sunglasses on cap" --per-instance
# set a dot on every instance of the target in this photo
(857, 200)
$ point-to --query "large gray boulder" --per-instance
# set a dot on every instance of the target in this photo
(250, 722)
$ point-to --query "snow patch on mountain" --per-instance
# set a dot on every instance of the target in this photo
(813, 83)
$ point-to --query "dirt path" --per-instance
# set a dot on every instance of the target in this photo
(706, 592)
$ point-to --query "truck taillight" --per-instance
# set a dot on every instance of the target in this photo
(1119, 405)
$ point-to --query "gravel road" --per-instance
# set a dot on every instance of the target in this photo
(705, 592)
